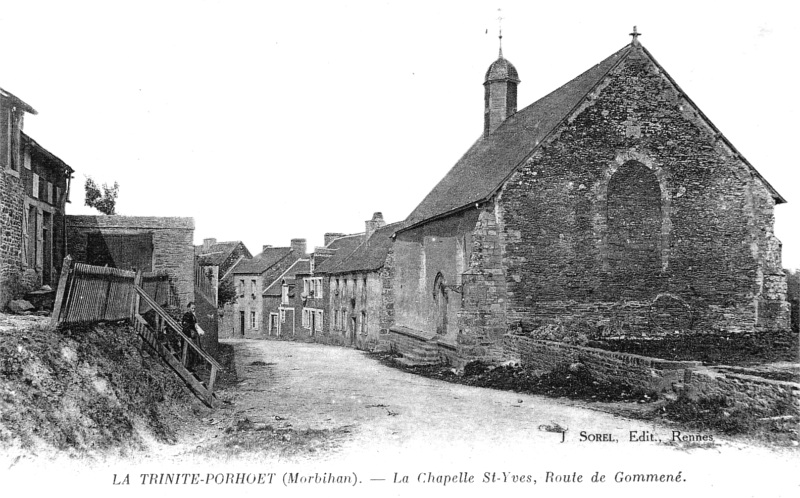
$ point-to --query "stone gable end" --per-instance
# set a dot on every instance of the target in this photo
(637, 217)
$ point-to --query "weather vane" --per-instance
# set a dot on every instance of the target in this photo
(500, 29)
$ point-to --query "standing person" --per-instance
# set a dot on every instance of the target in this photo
(190, 328)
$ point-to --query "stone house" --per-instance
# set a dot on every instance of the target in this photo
(217, 260)
(251, 277)
(282, 304)
(34, 187)
(297, 300)
(145, 243)
(612, 202)
(47, 181)
(360, 297)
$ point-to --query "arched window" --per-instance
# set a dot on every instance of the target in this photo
(634, 220)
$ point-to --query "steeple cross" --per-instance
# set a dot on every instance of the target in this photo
(635, 36)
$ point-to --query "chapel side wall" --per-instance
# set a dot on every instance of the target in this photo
(553, 218)
(419, 255)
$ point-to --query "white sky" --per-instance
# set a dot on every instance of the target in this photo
(271, 120)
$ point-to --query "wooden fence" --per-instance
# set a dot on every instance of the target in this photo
(89, 293)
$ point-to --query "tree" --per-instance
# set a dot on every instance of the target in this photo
(104, 201)
(226, 293)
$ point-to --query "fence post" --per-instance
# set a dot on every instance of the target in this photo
(137, 282)
(62, 289)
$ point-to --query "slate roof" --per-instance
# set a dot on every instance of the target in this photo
(300, 266)
(501, 69)
(262, 262)
(49, 155)
(216, 254)
(17, 101)
(369, 256)
(493, 158)
(343, 246)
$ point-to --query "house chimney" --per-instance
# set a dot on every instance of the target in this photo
(299, 246)
(371, 225)
(265, 247)
(207, 243)
(330, 236)
(321, 254)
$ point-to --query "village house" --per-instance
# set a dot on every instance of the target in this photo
(612, 202)
(34, 185)
(282, 306)
(217, 260)
(296, 300)
(251, 277)
(137, 243)
(359, 301)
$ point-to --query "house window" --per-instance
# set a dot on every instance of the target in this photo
(306, 320)
(283, 315)
(35, 186)
(253, 287)
(336, 319)
(312, 287)
(253, 323)
(26, 161)
(284, 294)
(318, 322)
(58, 196)
(241, 288)
(363, 323)
(49, 192)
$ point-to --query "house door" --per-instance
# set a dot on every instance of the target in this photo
(241, 322)
(273, 323)
(313, 321)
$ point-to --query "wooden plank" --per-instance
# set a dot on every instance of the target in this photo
(137, 280)
(62, 289)
(185, 353)
(196, 386)
(176, 327)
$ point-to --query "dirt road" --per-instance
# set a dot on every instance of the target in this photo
(412, 422)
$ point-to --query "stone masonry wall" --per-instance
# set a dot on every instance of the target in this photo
(173, 249)
(701, 256)
(747, 392)
(482, 316)
(641, 372)
(12, 198)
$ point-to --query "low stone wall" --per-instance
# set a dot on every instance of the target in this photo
(640, 372)
(404, 340)
(746, 392)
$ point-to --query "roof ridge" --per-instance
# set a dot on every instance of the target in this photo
(521, 134)
(279, 277)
